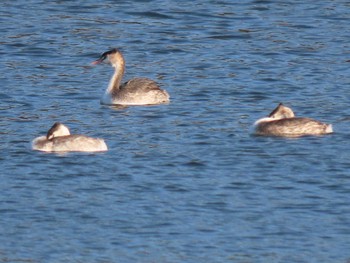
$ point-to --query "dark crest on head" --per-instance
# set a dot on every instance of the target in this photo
(275, 110)
(105, 54)
(52, 130)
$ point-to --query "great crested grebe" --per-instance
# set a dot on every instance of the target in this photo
(282, 122)
(59, 139)
(137, 91)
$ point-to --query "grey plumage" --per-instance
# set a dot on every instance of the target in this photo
(281, 122)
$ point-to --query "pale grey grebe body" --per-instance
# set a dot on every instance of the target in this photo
(137, 91)
(59, 139)
(282, 122)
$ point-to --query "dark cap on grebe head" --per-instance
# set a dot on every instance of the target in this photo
(104, 55)
(276, 109)
(54, 127)
(282, 112)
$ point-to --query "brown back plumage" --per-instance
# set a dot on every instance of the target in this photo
(281, 122)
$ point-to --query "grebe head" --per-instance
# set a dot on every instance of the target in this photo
(57, 130)
(281, 112)
(114, 56)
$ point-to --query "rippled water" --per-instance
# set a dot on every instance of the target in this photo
(183, 182)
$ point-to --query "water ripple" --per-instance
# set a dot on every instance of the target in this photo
(186, 181)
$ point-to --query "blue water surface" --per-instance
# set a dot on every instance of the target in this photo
(185, 181)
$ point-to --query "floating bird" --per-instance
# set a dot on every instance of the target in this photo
(59, 139)
(282, 122)
(137, 91)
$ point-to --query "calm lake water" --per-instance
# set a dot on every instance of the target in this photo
(187, 181)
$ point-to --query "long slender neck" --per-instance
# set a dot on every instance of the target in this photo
(114, 83)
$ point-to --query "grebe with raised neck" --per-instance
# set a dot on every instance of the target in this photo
(137, 91)
(282, 122)
(59, 139)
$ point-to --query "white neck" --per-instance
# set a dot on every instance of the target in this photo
(113, 81)
(266, 119)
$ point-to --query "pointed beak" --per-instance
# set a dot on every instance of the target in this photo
(99, 61)
(96, 62)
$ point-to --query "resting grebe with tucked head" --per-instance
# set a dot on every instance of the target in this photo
(282, 122)
(59, 139)
(137, 91)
